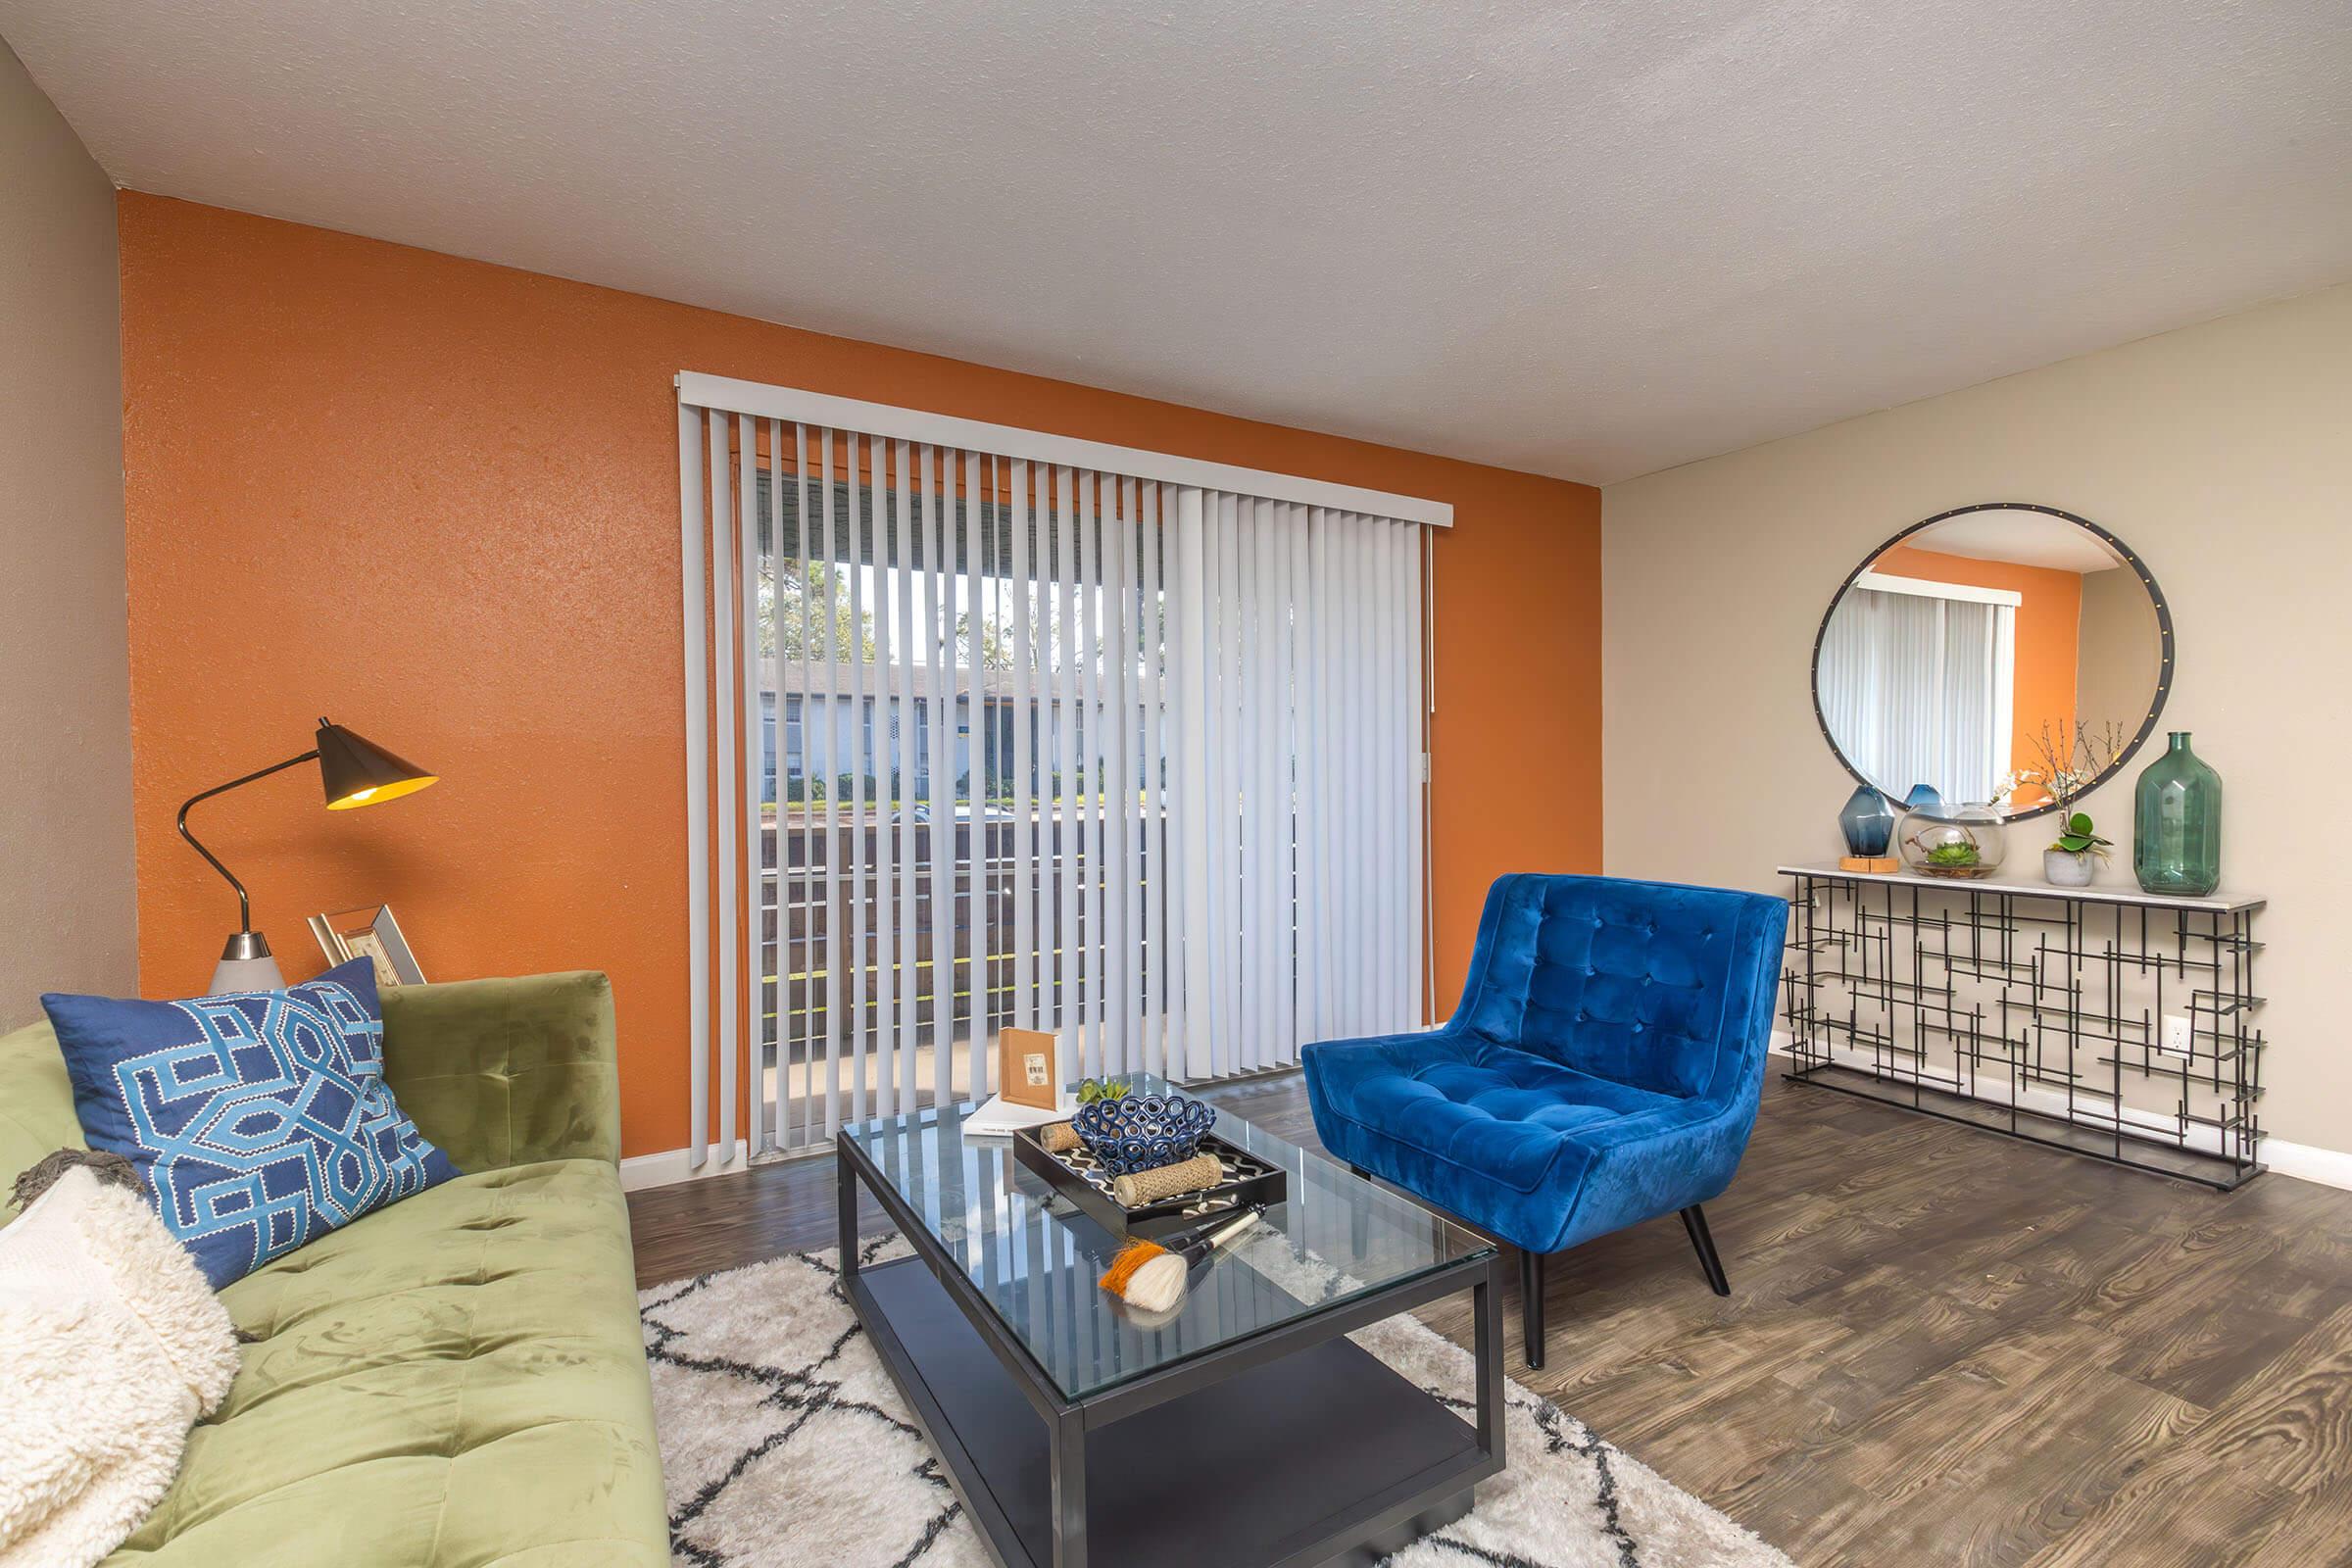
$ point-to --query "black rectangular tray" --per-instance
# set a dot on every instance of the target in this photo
(1248, 1180)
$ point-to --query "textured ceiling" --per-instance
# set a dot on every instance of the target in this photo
(1589, 240)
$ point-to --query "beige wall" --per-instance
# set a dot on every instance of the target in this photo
(66, 916)
(2221, 453)
(2120, 648)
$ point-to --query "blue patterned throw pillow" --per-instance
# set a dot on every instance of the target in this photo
(260, 1119)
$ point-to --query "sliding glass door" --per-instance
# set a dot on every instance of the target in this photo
(989, 740)
(960, 830)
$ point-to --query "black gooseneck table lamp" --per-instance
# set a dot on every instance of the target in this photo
(355, 772)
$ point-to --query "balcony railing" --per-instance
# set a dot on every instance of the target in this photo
(820, 876)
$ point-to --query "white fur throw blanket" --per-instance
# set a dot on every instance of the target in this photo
(111, 1346)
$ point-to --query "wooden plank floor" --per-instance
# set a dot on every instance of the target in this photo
(1941, 1346)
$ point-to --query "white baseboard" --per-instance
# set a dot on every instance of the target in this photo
(673, 1165)
(2327, 1167)
(2330, 1167)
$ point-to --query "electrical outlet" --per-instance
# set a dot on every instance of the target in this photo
(2176, 1034)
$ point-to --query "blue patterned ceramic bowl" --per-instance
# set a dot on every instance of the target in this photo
(1143, 1131)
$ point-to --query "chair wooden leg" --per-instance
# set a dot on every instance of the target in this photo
(1531, 1307)
(1696, 1224)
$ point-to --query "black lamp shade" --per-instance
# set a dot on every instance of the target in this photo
(359, 772)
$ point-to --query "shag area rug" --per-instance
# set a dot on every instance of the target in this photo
(783, 1442)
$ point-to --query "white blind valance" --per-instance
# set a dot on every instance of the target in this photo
(977, 738)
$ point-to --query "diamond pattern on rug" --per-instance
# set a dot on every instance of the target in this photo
(784, 1444)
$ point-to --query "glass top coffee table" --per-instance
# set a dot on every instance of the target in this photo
(1241, 1430)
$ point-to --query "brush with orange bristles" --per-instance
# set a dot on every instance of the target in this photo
(1154, 1275)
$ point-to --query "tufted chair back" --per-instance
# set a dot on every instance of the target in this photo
(1662, 987)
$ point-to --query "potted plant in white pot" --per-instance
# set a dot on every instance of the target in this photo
(2072, 861)
(2072, 760)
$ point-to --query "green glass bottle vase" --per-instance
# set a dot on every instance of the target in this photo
(2177, 823)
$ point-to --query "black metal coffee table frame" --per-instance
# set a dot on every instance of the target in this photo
(1300, 1388)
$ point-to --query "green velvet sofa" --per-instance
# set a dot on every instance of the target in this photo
(458, 1379)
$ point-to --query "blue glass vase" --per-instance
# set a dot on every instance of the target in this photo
(1924, 797)
(2177, 823)
(1868, 823)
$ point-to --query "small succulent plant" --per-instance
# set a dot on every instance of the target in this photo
(1958, 852)
(1091, 1090)
(2080, 838)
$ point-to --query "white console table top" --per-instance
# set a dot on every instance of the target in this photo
(2219, 901)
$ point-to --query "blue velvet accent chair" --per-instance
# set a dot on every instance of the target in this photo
(1602, 1068)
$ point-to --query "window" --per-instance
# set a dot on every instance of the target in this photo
(1095, 741)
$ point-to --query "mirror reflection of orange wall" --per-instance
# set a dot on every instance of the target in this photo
(2049, 619)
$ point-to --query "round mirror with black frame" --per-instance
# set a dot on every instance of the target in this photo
(2003, 655)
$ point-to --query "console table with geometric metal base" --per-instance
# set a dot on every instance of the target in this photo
(2036, 1012)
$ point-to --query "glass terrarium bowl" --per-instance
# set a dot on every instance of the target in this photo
(1961, 842)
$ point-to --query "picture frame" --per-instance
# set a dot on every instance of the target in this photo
(372, 934)
(1029, 1068)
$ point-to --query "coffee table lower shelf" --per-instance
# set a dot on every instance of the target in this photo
(1322, 1456)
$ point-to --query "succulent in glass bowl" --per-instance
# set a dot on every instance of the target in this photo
(1141, 1131)
(1961, 842)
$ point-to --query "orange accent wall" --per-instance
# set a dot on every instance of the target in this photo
(436, 500)
(2049, 630)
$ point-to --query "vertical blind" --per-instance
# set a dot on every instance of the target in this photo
(992, 728)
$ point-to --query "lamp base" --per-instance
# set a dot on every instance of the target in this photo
(246, 965)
